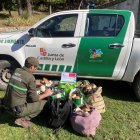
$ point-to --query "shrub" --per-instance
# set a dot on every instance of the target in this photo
(24, 20)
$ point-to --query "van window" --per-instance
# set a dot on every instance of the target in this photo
(103, 25)
(58, 26)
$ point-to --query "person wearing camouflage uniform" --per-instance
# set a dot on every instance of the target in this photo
(21, 98)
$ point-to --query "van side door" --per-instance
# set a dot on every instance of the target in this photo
(106, 43)
(56, 42)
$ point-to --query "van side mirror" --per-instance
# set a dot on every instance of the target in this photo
(31, 32)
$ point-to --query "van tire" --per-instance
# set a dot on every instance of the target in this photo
(5, 73)
(136, 86)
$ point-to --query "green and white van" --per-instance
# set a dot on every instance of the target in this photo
(92, 43)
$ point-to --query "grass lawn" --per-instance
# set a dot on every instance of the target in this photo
(121, 121)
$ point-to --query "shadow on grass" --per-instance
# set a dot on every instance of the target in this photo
(117, 90)
(6, 118)
(42, 121)
(4, 16)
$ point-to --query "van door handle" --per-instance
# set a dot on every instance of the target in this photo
(69, 45)
(116, 45)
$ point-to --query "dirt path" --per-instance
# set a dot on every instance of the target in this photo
(12, 29)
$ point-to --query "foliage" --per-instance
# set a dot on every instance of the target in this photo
(55, 1)
(48, 1)
(43, 5)
(100, 1)
(23, 20)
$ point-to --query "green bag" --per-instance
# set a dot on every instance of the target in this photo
(67, 86)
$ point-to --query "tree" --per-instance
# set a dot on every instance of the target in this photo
(19, 7)
(2, 5)
(8, 5)
(29, 7)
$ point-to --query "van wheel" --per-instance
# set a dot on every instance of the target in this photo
(136, 86)
(6, 71)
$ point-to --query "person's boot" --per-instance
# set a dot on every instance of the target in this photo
(23, 123)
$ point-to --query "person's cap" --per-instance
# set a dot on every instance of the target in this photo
(32, 61)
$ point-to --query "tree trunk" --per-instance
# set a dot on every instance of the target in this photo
(50, 9)
(10, 13)
(29, 7)
(19, 4)
(1, 6)
(80, 5)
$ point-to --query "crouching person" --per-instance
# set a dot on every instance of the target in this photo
(21, 98)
